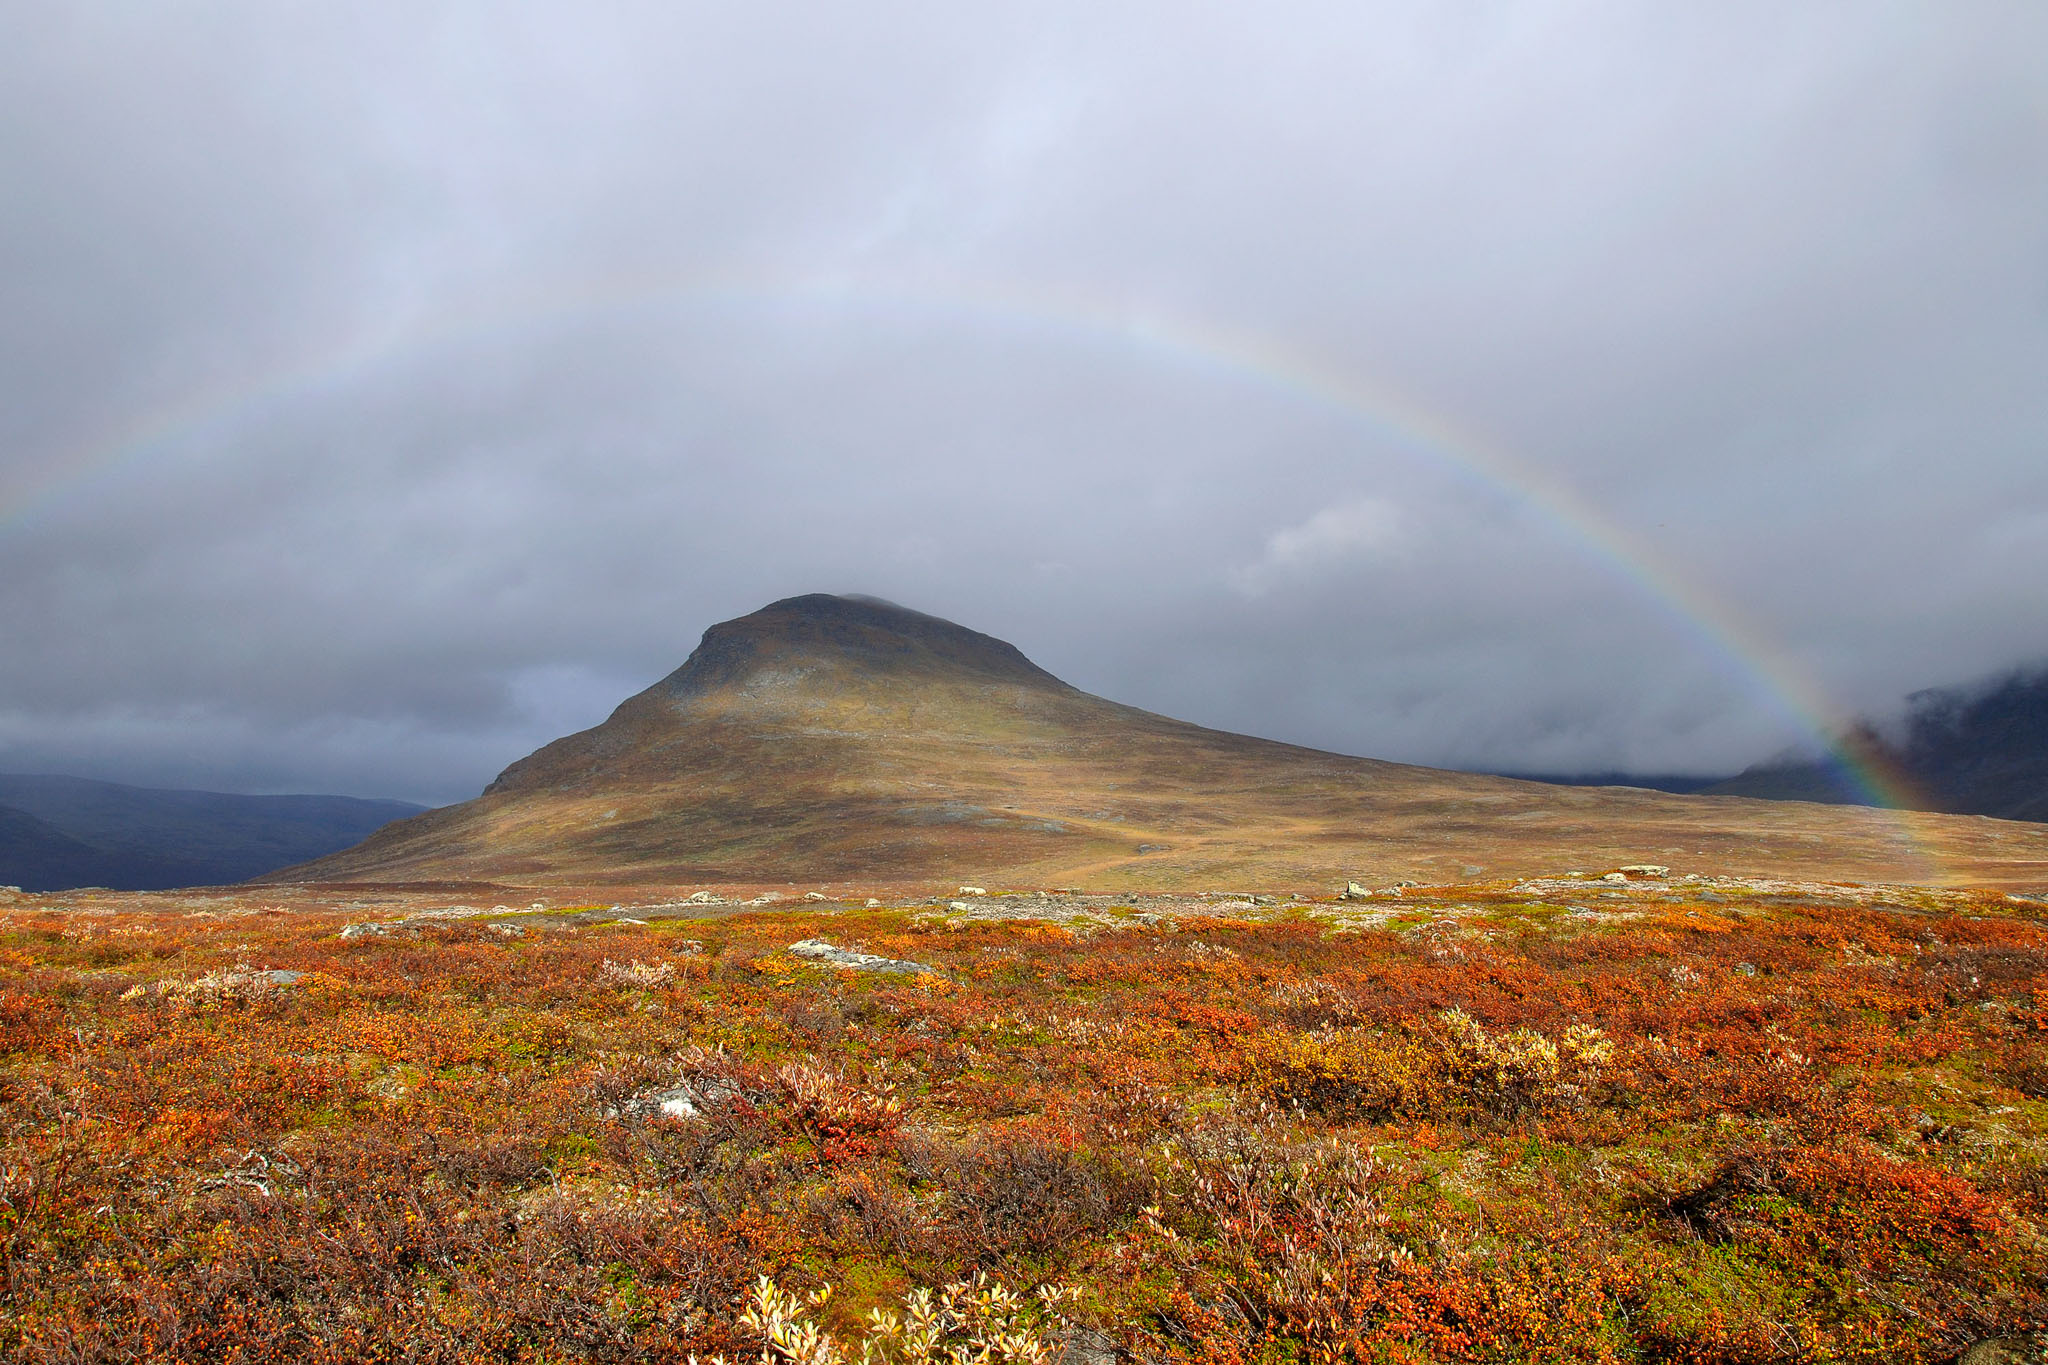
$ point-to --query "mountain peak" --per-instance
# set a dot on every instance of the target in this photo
(845, 637)
(813, 661)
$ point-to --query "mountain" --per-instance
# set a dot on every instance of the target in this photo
(1685, 784)
(60, 832)
(37, 856)
(848, 740)
(1979, 750)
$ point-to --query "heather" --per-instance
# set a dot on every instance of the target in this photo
(1465, 1124)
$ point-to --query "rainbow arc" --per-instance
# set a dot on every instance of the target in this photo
(1242, 357)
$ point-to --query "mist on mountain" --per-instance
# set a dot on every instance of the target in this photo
(1975, 749)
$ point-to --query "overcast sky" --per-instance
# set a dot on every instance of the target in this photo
(388, 389)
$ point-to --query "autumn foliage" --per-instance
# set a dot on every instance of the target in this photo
(1746, 1127)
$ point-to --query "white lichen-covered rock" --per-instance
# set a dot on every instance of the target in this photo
(685, 1101)
(973, 891)
(1646, 870)
(817, 950)
(367, 928)
(1354, 892)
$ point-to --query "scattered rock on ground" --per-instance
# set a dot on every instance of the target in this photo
(1086, 1346)
(366, 928)
(818, 950)
(684, 1101)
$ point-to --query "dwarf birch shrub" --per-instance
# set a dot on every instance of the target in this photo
(1363, 1074)
(977, 1320)
(848, 1121)
(1508, 1073)
(1349, 1073)
(643, 975)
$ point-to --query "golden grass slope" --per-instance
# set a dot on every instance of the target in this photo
(830, 739)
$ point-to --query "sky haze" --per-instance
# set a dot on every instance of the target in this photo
(1536, 387)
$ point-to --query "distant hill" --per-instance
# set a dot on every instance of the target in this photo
(61, 832)
(845, 740)
(1682, 784)
(38, 856)
(1980, 750)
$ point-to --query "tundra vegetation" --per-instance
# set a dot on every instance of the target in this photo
(1461, 1125)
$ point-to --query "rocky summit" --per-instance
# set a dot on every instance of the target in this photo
(834, 739)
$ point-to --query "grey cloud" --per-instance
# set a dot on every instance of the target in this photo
(386, 394)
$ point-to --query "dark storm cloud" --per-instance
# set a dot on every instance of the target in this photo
(386, 393)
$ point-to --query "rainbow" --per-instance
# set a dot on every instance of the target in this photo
(1241, 357)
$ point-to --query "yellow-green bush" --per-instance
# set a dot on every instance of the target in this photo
(1361, 1073)
(1349, 1073)
(1520, 1069)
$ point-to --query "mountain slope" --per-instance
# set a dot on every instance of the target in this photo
(1977, 751)
(37, 856)
(844, 739)
(147, 839)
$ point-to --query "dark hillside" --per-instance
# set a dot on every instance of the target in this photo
(37, 856)
(146, 839)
